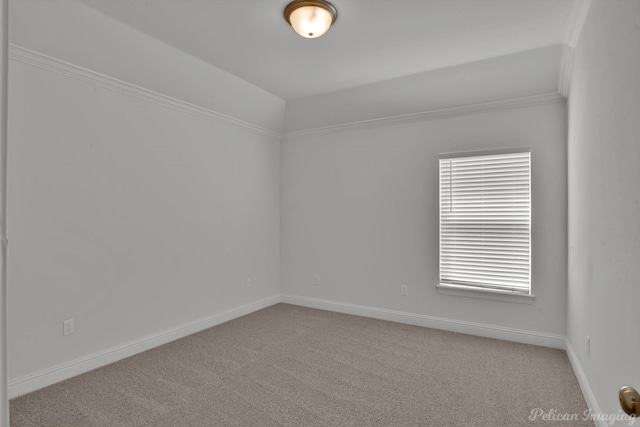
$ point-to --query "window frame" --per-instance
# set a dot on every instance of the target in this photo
(465, 290)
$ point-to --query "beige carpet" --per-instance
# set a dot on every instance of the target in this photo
(295, 366)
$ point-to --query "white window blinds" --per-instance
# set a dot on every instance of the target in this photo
(485, 222)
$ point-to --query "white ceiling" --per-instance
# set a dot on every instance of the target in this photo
(371, 41)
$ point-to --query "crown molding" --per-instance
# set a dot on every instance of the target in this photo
(463, 110)
(45, 62)
(39, 60)
(576, 22)
(571, 38)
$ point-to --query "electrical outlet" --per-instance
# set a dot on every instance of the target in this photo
(249, 282)
(68, 327)
(404, 290)
(588, 346)
(316, 279)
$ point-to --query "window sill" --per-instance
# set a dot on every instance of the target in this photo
(489, 294)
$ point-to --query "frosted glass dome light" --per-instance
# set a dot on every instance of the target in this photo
(310, 18)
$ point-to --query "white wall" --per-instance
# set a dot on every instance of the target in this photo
(128, 216)
(360, 209)
(604, 200)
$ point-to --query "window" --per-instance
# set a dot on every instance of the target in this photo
(485, 222)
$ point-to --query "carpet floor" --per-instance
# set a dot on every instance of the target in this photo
(295, 366)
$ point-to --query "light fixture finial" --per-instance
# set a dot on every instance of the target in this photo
(310, 18)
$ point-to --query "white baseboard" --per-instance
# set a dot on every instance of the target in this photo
(472, 328)
(46, 377)
(589, 397)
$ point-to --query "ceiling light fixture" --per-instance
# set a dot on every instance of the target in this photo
(310, 18)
